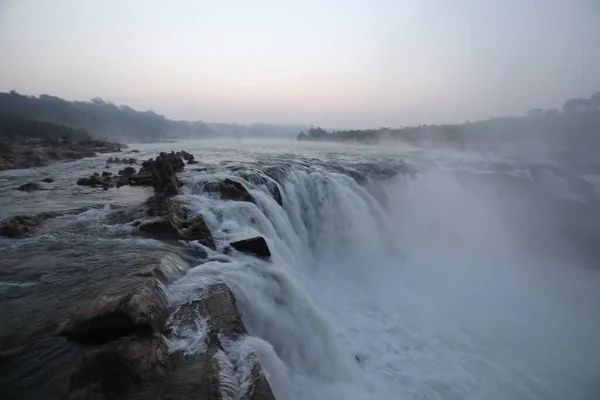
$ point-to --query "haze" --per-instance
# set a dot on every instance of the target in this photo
(346, 64)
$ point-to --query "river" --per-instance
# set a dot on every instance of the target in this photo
(397, 272)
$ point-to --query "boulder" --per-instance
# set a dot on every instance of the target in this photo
(187, 157)
(30, 187)
(93, 180)
(106, 173)
(257, 246)
(131, 365)
(127, 171)
(218, 306)
(229, 190)
(48, 180)
(134, 151)
(137, 308)
(19, 225)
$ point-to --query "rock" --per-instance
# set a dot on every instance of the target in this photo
(267, 183)
(134, 151)
(30, 187)
(260, 388)
(127, 171)
(138, 308)
(186, 156)
(172, 220)
(256, 246)
(132, 161)
(207, 372)
(106, 173)
(198, 376)
(218, 306)
(229, 190)
(123, 180)
(131, 365)
(48, 180)
(93, 180)
(19, 225)
(163, 170)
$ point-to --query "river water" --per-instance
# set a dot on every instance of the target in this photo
(397, 272)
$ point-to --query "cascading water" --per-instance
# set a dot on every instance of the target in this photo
(427, 297)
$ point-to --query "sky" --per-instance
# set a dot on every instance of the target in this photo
(336, 64)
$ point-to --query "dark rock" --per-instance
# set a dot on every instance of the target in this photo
(127, 171)
(96, 174)
(229, 190)
(260, 389)
(91, 181)
(138, 308)
(163, 170)
(30, 187)
(256, 246)
(123, 180)
(172, 220)
(19, 225)
(265, 182)
(132, 161)
(134, 151)
(131, 365)
(197, 376)
(106, 173)
(48, 180)
(218, 306)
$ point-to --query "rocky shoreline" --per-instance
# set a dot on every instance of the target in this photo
(39, 153)
(124, 331)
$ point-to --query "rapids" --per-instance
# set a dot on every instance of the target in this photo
(396, 272)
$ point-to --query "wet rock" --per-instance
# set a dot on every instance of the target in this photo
(187, 157)
(123, 180)
(134, 151)
(127, 171)
(163, 170)
(217, 306)
(267, 183)
(137, 308)
(170, 219)
(30, 187)
(130, 366)
(229, 190)
(93, 180)
(260, 389)
(197, 376)
(256, 246)
(206, 372)
(106, 173)
(48, 180)
(19, 225)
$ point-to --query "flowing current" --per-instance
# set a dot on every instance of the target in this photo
(395, 272)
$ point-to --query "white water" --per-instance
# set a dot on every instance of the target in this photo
(434, 298)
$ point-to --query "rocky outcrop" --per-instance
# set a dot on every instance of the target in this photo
(163, 171)
(171, 220)
(38, 153)
(137, 365)
(138, 308)
(209, 372)
(186, 156)
(30, 187)
(229, 190)
(128, 171)
(19, 225)
(256, 246)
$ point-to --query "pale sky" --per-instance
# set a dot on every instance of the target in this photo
(338, 64)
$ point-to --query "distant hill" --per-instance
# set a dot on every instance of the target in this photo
(107, 121)
(573, 132)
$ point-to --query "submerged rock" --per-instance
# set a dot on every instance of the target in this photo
(257, 246)
(48, 180)
(19, 225)
(139, 308)
(30, 187)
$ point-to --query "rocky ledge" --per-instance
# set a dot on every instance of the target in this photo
(38, 153)
(126, 353)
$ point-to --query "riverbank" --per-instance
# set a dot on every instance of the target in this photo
(39, 153)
